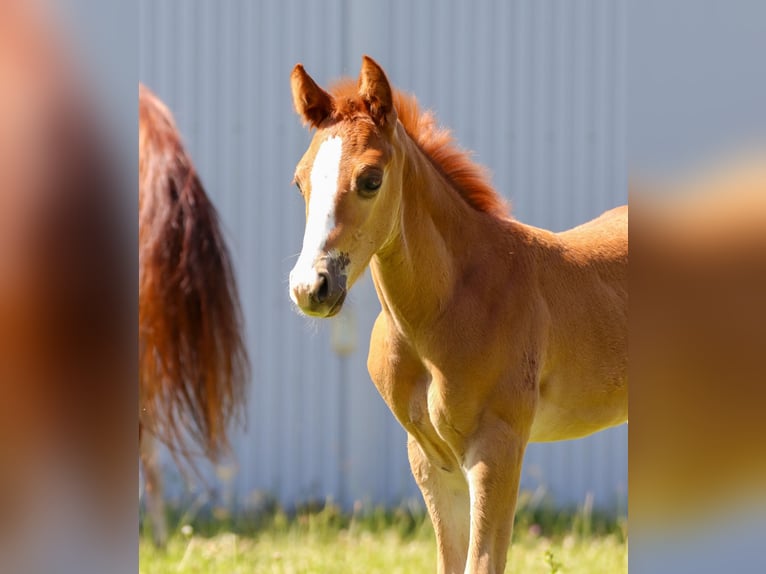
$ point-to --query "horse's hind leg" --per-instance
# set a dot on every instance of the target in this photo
(446, 496)
(493, 466)
(153, 491)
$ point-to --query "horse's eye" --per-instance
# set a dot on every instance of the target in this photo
(369, 184)
(298, 185)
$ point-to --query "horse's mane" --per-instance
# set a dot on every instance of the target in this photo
(193, 364)
(470, 179)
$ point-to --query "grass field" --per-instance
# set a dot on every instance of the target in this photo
(326, 541)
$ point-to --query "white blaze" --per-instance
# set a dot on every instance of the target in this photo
(321, 211)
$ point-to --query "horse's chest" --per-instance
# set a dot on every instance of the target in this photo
(414, 393)
(422, 411)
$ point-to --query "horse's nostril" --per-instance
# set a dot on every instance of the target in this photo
(322, 288)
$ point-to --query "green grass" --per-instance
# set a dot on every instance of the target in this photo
(324, 540)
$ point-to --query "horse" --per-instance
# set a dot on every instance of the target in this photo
(193, 364)
(491, 334)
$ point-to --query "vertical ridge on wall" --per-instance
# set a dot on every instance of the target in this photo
(535, 88)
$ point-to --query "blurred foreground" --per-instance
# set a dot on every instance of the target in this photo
(697, 494)
(67, 306)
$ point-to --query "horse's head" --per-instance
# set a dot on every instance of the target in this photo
(350, 183)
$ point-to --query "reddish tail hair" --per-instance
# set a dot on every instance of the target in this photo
(192, 359)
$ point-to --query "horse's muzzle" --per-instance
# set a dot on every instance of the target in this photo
(321, 292)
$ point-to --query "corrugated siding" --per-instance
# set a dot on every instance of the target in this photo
(534, 87)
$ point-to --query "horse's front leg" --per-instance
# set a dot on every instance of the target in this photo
(446, 495)
(493, 467)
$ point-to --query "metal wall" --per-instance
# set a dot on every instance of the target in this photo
(534, 87)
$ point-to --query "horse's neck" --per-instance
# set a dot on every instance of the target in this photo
(435, 240)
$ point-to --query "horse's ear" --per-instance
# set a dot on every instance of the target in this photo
(376, 93)
(311, 102)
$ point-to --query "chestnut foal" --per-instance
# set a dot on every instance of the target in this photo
(492, 333)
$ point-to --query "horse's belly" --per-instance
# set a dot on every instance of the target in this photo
(562, 417)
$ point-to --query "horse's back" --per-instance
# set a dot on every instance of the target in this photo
(602, 241)
(610, 228)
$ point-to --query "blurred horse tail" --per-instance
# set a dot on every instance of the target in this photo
(192, 359)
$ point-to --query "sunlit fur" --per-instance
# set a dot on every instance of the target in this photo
(193, 364)
(492, 332)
